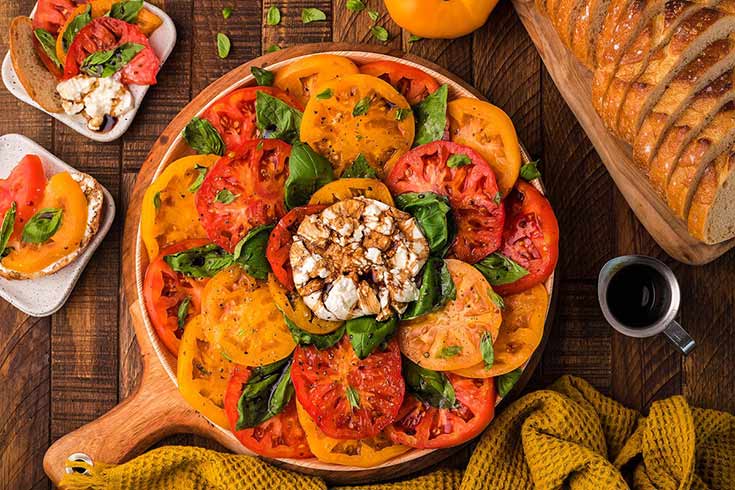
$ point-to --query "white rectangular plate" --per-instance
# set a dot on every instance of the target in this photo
(162, 41)
(45, 295)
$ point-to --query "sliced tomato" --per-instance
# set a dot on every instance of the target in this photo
(25, 187)
(471, 188)
(281, 238)
(244, 190)
(422, 426)
(412, 83)
(343, 189)
(105, 33)
(530, 237)
(293, 307)
(164, 291)
(52, 14)
(233, 116)
(322, 380)
(278, 437)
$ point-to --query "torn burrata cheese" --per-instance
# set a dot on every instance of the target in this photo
(356, 258)
(95, 97)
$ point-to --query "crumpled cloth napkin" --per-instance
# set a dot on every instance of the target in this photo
(568, 436)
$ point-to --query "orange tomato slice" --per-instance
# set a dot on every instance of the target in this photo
(294, 308)
(450, 338)
(520, 333)
(344, 189)
(301, 78)
(168, 214)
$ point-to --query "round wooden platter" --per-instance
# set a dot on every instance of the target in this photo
(156, 409)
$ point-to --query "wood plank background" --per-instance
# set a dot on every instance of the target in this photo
(60, 372)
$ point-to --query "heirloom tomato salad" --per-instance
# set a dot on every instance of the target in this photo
(351, 265)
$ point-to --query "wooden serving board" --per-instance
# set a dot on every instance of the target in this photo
(156, 409)
(574, 81)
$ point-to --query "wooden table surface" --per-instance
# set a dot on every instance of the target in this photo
(60, 372)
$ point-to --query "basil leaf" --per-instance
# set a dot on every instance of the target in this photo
(43, 225)
(308, 171)
(429, 386)
(226, 197)
(414, 38)
(127, 11)
(183, 312)
(360, 169)
(499, 269)
(321, 342)
(433, 215)
(458, 160)
(262, 76)
(496, 298)
(309, 15)
(250, 252)
(431, 117)
(273, 48)
(200, 178)
(76, 25)
(103, 64)
(200, 262)
(363, 106)
(450, 351)
(374, 15)
(353, 397)
(486, 348)
(273, 18)
(48, 44)
(7, 229)
(355, 5)
(380, 33)
(530, 171)
(507, 381)
(276, 119)
(326, 94)
(226, 13)
(366, 333)
(498, 197)
(157, 200)
(265, 395)
(402, 113)
(437, 288)
(203, 138)
(223, 45)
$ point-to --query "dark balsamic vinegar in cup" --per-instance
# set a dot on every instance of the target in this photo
(638, 296)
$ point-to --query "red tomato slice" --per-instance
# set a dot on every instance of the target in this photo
(412, 83)
(471, 188)
(244, 190)
(530, 237)
(164, 290)
(322, 380)
(233, 116)
(25, 186)
(52, 14)
(422, 426)
(279, 437)
(279, 243)
(105, 33)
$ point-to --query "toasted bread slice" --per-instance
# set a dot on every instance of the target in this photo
(587, 27)
(32, 73)
(711, 215)
(95, 200)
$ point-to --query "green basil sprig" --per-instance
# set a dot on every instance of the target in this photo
(182, 313)
(48, 44)
(223, 45)
(200, 262)
(7, 229)
(321, 342)
(225, 196)
(250, 252)
(499, 269)
(308, 171)
(431, 117)
(429, 386)
(43, 225)
(360, 169)
(458, 160)
(530, 171)
(366, 333)
(487, 350)
(200, 178)
(127, 10)
(437, 288)
(103, 64)
(262, 76)
(353, 397)
(265, 395)
(276, 119)
(76, 25)
(507, 381)
(203, 138)
(433, 215)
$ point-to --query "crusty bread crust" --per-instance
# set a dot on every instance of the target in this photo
(95, 210)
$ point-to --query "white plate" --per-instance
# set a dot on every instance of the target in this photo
(45, 295)
(162, 41)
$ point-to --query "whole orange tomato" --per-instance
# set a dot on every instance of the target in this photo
(440, 19)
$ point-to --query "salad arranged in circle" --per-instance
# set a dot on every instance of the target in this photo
(351, 265)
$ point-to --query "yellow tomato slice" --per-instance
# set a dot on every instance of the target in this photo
(294, 308)
(301, 78)
(243, 316)
(363, 453)
(520, 333)
(490, 132)
(361, 117)
(168, 214)
(62, 192)
(202, 372)
(344, 189)
(450, 338)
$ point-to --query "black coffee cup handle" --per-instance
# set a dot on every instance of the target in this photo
(680, 338)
